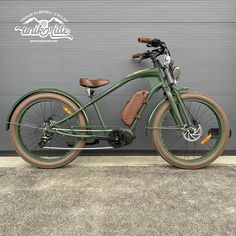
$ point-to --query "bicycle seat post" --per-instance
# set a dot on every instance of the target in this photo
(90, 92)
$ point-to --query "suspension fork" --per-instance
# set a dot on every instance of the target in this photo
(178, 109)
(183, 110)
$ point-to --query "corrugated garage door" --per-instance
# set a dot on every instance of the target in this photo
(200, 34)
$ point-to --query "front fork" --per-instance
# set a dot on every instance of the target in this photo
(178, 109)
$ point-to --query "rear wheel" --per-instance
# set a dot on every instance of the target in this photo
(28, 135)
(197, 147)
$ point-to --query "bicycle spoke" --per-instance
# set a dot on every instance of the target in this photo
(31, 138)
(176, 143)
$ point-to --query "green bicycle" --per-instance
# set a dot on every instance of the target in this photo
(49, 127)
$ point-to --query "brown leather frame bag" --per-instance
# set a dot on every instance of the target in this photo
(132, 107)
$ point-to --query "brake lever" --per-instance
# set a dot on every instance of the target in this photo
(145, 55)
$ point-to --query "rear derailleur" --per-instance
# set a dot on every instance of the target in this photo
(47, 136)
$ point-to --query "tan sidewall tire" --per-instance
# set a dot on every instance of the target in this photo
(13, 133)
(156, 133)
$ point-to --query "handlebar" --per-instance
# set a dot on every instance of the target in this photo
(143, 55)
(151, 42)
(145, 40)
(160, 48)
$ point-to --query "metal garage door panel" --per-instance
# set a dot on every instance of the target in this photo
(126, 11)
(205, 52)
(105, 34)
(211, 47)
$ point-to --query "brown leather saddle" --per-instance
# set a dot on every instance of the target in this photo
(90, 83)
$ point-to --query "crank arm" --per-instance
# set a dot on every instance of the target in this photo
(105, 138)
(96, 141)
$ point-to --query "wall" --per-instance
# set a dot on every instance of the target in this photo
(200, 34)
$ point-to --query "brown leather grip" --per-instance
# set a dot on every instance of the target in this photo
(137, 55)
(144, 40)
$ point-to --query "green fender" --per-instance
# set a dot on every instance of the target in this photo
(159, 103)
(44, 90)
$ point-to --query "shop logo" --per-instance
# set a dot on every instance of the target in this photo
(44, 26)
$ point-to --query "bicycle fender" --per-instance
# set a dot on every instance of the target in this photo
(44, 90)
(162, 100)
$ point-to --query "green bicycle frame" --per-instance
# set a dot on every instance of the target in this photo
(156, 79)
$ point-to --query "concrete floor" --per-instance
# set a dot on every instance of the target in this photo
(117, 196)
(13, 161)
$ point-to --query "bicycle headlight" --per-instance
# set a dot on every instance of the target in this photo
(176, 73)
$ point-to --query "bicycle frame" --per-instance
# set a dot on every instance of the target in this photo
(34, 119)
(156, 79)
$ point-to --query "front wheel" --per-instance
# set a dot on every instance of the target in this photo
(194, 148)
(28, 136)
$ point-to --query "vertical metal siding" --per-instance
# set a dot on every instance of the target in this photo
(200, 34)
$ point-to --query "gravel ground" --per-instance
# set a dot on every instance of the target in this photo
(137, 200)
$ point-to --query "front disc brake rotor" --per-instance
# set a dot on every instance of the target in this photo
(193, 134)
